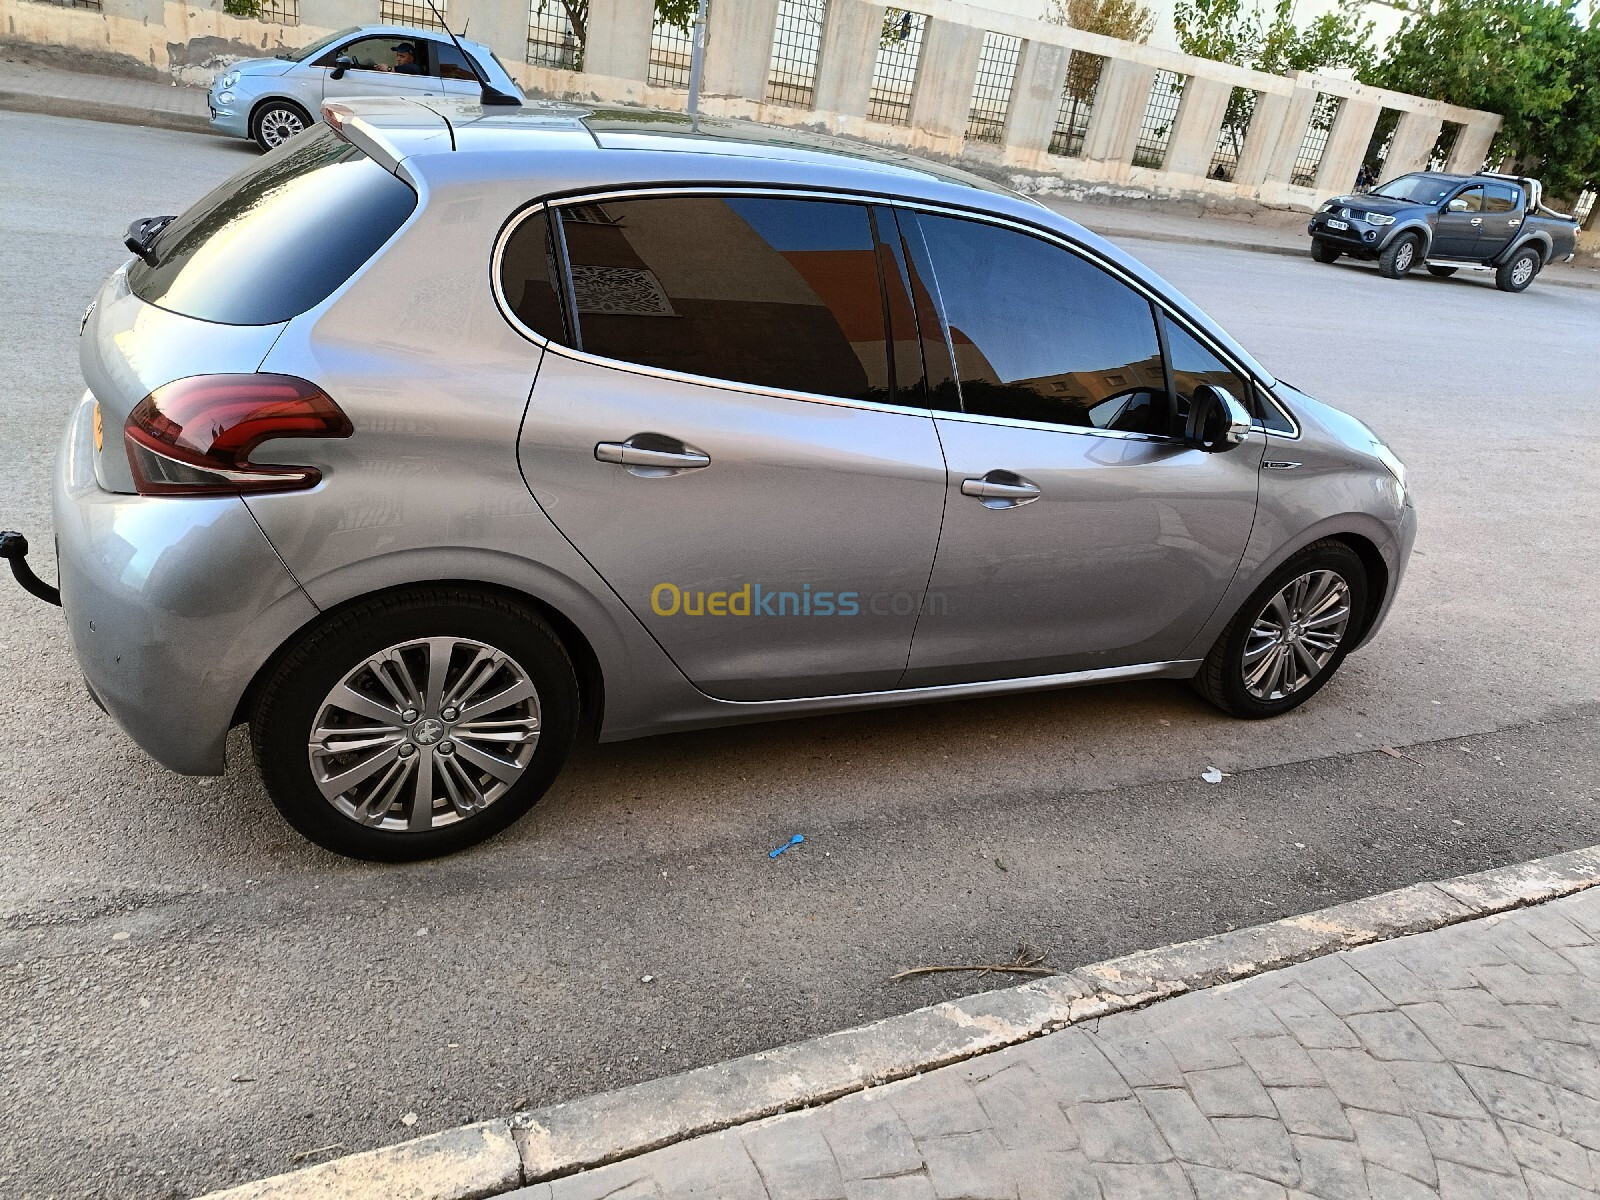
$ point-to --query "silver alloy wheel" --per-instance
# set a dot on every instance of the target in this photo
(425, 734)
(1296, 634)
(278, 125)
(1404, 255)
(1522, 271)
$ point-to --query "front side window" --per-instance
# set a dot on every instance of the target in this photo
(1470, 201)
(278, 237)
(773, 292)
(387, 55)
(1040, 334)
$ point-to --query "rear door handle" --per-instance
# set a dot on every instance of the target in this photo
(651, 460)
(1001, 489)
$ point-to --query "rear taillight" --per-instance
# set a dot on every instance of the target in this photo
(193, 437)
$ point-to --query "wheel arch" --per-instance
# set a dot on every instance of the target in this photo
(1539, 239)
(1415, 225)
(312, 116)
(1377, 577)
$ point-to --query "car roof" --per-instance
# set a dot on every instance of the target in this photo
(435, 35)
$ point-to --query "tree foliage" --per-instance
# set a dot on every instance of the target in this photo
(1233, 31)
(1533, 61)
(1126, 20)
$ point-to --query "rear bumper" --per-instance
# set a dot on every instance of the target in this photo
(172, 605)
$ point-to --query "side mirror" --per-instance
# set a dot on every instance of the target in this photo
(1458, 205)
(1217, 421)
(340, 65)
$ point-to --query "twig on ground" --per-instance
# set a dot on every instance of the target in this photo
(302, 1155)
(1026, 962)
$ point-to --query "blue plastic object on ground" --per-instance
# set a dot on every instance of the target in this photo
(794, 841)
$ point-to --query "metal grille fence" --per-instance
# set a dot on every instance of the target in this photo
(1583, 207)
(278, 12)
(91, 5)
(410, 12)
(991, 91)
(1323, 114)
(1378, 144)
(1448, 133)
(796, 41)
(1077, 103)
(1230, 138)
(671, 51)
(1160, 113)
(894, 75)
(552, 39)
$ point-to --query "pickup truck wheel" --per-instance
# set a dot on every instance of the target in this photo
(1442, 272)
(1324, 252)
(1517, 272)
(1399, 256)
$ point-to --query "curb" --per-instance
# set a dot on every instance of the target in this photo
(98, 110)
(492, 1157)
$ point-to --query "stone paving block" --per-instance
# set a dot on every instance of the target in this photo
(1184, 1126)
(1394, 1142)
(1435, 1087)
(1138, 1055)
(1359, 1081)
(867, 1137)
(1510, 984)
(793, 1159)
(1384, 1184)
(1475, 1045)
(1552, 1025)
(1554, 926)
(1196, 1044)
(1118, 1131)
(1574, 1068)
(896, 1187)
(1476, 1144)
(1073, 1069)
(1391, 1036)
(1524, 950)
(1011, 1101)
(937, 1103)
(1544, 1187)
(1121, 1181)
(1212, 1184)
(1242, 1015)
(1386, 970)
(1463, 1183)
(1053, 1176)
(1330, 1170)
(715, 1166)
(968, 1166)
(1312, 1022)
(1513, 1097)
(1341, 987)
(1278, 1061)
(1551, 1155)
(539, 1191)
(1261, 1147)
(1230, 1092)
(1580, 1118)
(1315, 1112)
(1473, 1007)
(619, 1181)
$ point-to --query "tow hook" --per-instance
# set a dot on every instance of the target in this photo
(14, 546)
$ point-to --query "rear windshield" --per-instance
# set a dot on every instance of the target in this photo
(277, 238)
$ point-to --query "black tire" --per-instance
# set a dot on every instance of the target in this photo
(1399, 256)
(276, 121)
(1509, 276)
(1442, 272)
(291, 701)
(1222, 677)
(1324, 251)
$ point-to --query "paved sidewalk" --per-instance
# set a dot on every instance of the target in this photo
(1456, 1063)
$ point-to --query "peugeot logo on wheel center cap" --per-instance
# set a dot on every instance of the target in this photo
(428, 732)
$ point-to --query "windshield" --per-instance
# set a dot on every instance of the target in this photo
(1419, 189)
(278, 237)
(310, 51)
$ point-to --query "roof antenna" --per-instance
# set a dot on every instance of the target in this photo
(491, 95)
(697, 62)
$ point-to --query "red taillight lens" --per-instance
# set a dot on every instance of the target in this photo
(193, 437)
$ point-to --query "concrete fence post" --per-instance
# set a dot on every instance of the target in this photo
(1414, 136)
(618, 44)
(1199, 121)
(1261, 138)
(1119, 107)
(739, 47)
(1296, 119)
(1347, 146)
(1471, 150)
(942, 97)
(499, 24)
(848, 56)
(337, 14)
(1036, 97)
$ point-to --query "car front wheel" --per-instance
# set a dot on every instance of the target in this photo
(277, 121)
(1399, 256)
(1517, 272)
(416, 723)
(1289, 638)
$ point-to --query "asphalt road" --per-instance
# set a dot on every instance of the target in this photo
(193, 996)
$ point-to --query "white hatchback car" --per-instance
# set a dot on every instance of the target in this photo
(272, 99)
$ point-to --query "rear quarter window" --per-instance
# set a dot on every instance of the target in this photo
(277, 238)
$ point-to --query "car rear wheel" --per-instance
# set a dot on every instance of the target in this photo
(1399, 256)
(1517, 272)
(1288, 639)
(415, 724)
(277, 121)
(1324, 252)
(1442, 272)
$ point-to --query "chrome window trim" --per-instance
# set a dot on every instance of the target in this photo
(1050, 236)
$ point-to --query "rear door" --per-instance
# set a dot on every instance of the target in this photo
(1502, 218)
(1080, 531)
(724, 436)
(1456, 235)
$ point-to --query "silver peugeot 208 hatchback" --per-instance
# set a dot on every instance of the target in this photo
(443, 434)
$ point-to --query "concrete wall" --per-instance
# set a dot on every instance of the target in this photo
(191, 41)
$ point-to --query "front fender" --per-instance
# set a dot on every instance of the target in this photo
(1412, 225)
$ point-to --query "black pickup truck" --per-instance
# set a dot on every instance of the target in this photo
(1485, 222)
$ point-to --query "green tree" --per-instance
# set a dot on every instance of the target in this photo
(1533, 61)
(1125, 20)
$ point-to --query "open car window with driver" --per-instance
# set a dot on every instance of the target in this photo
(390, 55)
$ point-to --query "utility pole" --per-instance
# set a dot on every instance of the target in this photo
(697, 63)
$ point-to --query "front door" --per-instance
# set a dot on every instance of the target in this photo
(381, 68)
(726, 445)
(1456, 235)
(1080, 530)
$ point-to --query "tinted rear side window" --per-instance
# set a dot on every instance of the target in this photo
(278, 238)
(1501, 198)
(778, 293)
(1039, 334)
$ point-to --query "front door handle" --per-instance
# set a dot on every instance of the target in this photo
(1477, 220)
(1001, 489)
(651, 455)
